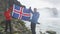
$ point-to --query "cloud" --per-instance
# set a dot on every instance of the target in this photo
(53, 1)
(41, 3)
(35, 3)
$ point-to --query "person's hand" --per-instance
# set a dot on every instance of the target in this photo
(38, 23)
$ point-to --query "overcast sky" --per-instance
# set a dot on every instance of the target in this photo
(55, 3)
(41, 3)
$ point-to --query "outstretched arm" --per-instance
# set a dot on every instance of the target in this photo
(31, 10)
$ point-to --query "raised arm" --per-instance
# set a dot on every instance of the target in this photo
(31, 10)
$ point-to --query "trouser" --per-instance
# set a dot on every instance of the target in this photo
(8, 24)
(33, 27)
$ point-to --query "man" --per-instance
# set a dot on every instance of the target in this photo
(35, 16)
(8, 20)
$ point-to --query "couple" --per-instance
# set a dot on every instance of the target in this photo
(33, 20)
(35, 16)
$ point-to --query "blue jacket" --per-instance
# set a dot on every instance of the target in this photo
(35, 16)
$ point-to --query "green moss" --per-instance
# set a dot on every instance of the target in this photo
(19, 25)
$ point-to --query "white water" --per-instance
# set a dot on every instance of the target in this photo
(48, 22)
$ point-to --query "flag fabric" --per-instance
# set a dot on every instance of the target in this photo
(21, 13)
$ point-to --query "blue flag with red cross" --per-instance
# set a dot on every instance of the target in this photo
(21, 13)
